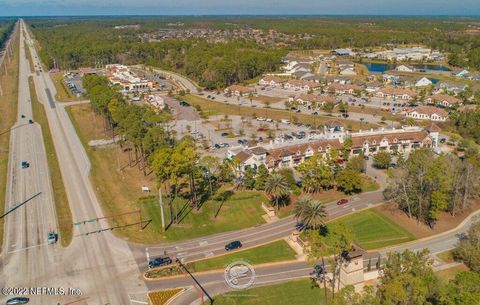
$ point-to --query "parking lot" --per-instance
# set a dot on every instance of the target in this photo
(74, 83)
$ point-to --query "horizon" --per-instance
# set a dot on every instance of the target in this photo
(53, 8)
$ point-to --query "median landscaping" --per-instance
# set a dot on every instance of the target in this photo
(269, 253)
(64, 216)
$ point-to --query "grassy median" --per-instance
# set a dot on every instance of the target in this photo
(8, 115)
(64, 214)
(29, 56)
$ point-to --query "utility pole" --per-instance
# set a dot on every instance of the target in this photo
(160, 202)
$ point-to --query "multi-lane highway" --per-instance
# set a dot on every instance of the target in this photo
(99, 266)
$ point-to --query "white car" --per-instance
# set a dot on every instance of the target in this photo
(285, 121)
(260, 119)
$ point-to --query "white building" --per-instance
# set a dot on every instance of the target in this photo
(129, 82)
(423, 82)
(427, 113)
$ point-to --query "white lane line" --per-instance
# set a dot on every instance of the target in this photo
(148, 255)
(34, 246)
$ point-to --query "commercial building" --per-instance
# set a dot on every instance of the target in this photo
(128, 81)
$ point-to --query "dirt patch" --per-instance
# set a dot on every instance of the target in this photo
(446, 221)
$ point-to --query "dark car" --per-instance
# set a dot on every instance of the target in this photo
(25, 164)
(233, 245)
(315, 113)
(366, 158)
(30, 121)
(342, 201)
(443, 140)
(224, 134)
(23, 116)
(184, 104)
(159, 261)
(17, 300)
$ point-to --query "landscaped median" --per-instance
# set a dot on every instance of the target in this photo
(62, 207)
(277, 251)
(162, 297)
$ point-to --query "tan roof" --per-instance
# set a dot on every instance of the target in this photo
(446, 98)
(338, 86)
(416, 136)
(273, 78)
(397, 91)
(429, 110)
(324, 98)
(239, 88)
(433, 128)
(300, 149)
(258, 150)
(243, 156)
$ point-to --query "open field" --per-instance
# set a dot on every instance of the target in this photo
(8, 110)
(446, 256)
(372, 230)
(63, 94)
(215, 108)
(301, 291)
(269, 99)
(118, 187)
(269, 253)
(62, 208)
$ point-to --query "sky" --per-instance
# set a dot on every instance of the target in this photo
(238, 7)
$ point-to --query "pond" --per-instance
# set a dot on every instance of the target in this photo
(381, 67)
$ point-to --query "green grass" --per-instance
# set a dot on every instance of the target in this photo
(446, 256)
(60, 196)
(369, 185)
(298, 292)
(371, 230)
(274, 252)
(8, 115)
(242, 210)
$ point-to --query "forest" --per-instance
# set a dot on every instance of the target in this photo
(6, 26)
(80, 42)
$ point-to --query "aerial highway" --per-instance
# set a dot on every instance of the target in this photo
(98, 267)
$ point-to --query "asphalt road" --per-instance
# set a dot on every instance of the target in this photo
(99, 265)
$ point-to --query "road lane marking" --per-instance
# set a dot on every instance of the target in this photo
(26, 248)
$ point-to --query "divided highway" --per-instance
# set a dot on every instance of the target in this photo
(98, 266)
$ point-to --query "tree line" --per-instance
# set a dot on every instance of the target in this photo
(426, 185)
(6, 27)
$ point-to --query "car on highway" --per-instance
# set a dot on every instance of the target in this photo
(233, 245)
(23, 116)
(25, 164)
(17, 301)
(342, 201)
(52, 238)
(159, 261)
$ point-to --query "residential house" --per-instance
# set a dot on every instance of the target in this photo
(431, 113)
(396, 93)
(237, 90)
(272, 81)
(405, 68)
(348, 72)
(343, 52)
(447, 101)
(373, 87)
(423, 82)
(315, 100)
(343, 88)
(450, 88)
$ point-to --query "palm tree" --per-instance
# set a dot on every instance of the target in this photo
(311, 213)
(277, 188)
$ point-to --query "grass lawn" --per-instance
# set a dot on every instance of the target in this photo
(242, 210)
(274, 252)
(118, 187)
(268, 99)
(298, 292)
(449, 274)
(371, 230)
(215, 108)
(60, 196)
(63, 93)
(446, 256)
(8, 110)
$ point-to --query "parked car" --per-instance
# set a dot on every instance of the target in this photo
(233, 245)
(224, 134)
(315, 113)
(52, 238)
(17, 300)
(443, 140)
(159, 261)
(342, 201)
(184, 104)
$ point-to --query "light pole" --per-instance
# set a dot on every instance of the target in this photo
(160, 202)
